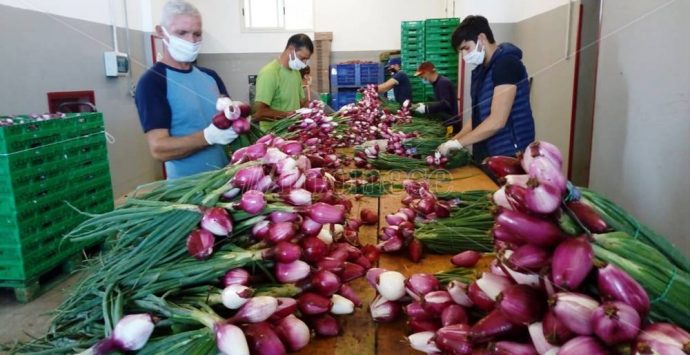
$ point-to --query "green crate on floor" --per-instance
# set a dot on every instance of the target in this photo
(443, 31)
(411, 46)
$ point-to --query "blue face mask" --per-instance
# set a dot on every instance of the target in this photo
(425, 81)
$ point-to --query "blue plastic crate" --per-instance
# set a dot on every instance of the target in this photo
(355, 75)
(342, 98)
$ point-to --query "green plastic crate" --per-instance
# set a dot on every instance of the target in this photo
(31, 133)
(441, 22)
(444, 31)
(411, 25)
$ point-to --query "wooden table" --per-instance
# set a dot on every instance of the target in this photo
(360, 335)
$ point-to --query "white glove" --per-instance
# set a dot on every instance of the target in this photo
(421, 108)
(215, 135)
(449, 146)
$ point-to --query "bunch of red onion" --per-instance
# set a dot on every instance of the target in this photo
(233, 114)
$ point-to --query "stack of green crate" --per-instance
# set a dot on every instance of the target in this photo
(43, 165)
(438, 48)
(412, 53)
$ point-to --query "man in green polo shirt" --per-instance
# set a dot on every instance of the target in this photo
(279, 83)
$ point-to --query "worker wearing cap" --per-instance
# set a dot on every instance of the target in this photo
(399, 82)
(502, 122)
(445, 105)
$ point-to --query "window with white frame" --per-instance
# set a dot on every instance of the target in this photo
(277, 15)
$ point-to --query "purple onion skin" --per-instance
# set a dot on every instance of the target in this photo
(326, 326)
(615, 284)
(575, 311)
(615, 323)
(310, 303)
(454, 339)
(522, 304)
(453, 314)
(263, 340)
(349, 293)
(494, 326)
(419, 284)
(479, 298)
(555, 332)
(583, 345)
(653, 347)
(512, 348)
(325, 282)
(414, 310)
(529, 229)
(529, 258)
(572, 261)
(467, 258)
(423, 325)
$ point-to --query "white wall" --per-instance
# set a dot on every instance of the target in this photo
(98, 11)
(641, 126)
(504, 11)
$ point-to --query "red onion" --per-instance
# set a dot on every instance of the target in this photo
(235, 296)
(391, 285)
(236, 276)
(286, 252)
(260, 230)
(362, 261)
(516, 179)
(383, 310)
(256, 309)
(424, 206)
(255, 151)
(200, 244)
(221, 122)
(512, 348)
(252, 202)
(571, 263)
(453, 314)
(479, 298)
(390, 232)
(273, 156)
(467, 258)
(616, 284)
(317, 184)
(664, 338)
(239, 155)
(500, 233)
(516, 195)
(310, 228)
(349, 293)
(330, 264)
(393, 244)
(493, 326)
(292, 148)
(288, 178)
(529, 279)
(500, 199)
(654, 347)
(230, 339)
(492, 285)
(326, 326)
(583, 345)
(293, 332)
(368, 216)
(536, 333)
(424, 342)
(546, 172)
(282, 216)
(408, 212)
(298, 197)
(241, 125)
(542, 197)
(454, 339)
(313, 249)
(286, 307)
(324, 213)
(325, 282)
(263, 340)
(352, 271)
(529, 258)
(420, 284)
(414, 250)
(341, 305)
(415, 310)
(217, 221)
(575, 311)
(396, 219)
(541, 149)
(530, 229)
(291, 272)
(281, 231)
(521, 304)
(372, 275)
(310, 303)
(458, 292)
(555, 331)
(502, 165)
(131, 333)
(267, 139)
(436, 301)
(615, 323)
(423, 325)
(588, 216)
(247, 177)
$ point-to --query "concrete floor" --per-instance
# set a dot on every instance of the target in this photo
(20, 322)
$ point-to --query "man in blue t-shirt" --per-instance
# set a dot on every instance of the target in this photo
(176, 99)
(399, 82)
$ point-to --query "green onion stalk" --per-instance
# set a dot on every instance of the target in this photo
(465, 275)
(424, 127)
(620, 220)
(667, 285)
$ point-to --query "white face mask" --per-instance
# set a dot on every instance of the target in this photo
(475, 57)
(181, 50)
(295, 63)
